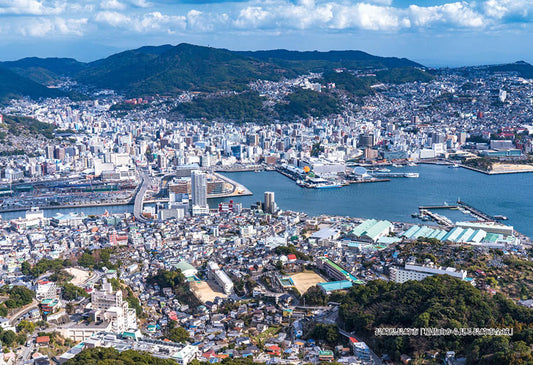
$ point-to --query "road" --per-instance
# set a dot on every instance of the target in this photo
(26, 351)
(23, 311)
(139, 196)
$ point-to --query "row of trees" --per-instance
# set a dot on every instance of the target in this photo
(18, 296)
(108, 356)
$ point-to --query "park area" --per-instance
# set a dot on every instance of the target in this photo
(206, 290)
(498, 168)
(79, 275)
(305, 280)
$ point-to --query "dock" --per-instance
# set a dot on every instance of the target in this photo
(443, 221)
(478, 214)
(393, 174)
(373, 180)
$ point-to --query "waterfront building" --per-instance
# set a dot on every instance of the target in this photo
(270, 203)
(199, 193)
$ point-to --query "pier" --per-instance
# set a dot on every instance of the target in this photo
(443, 221)
(478, 214)
(394, 174)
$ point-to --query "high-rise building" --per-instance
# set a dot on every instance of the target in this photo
(49, 152)
(366, 140)
(59, 153)
(199, 192)
(270, 203)
(162, 161)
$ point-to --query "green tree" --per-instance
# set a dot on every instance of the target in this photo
(26, 326)
(25, 268)
(177, 333)
(314, 296)
(73, 292)
(8, 338)
(87, 260)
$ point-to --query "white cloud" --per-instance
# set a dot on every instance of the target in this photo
(141, 3)
(251, 17)
(112, 18)
(156, 21)
(452, 14)
(58, 26)
(260, 16)
(198, 21)
(112, 5)
(31, 7)
(499, 9)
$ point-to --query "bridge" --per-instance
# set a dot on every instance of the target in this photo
(139, 197)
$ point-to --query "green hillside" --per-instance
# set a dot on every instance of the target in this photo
(184, 67)
(523, 69)
(244, 107)
(44, 70)
(439, 302)
(303, 62)
(12, 85)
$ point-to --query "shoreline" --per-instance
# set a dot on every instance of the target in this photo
(72, 206)
(497, 172)
(236, 187)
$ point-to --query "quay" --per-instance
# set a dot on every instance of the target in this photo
(65, 206)
(394, 174)
(436, 217)
(295, 177)
(478, 214)
(238, 189)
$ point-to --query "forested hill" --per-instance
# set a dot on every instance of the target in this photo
(439, 302)
(322, 61)
(13, 85)
(171, 69)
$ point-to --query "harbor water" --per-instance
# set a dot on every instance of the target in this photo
(394, 200)
(397, 199)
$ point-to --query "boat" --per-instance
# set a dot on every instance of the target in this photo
(327, 186)
(500, 217)
(454, 166)
(396, 165)
(383, 170)
(412, 164)
(412, 174)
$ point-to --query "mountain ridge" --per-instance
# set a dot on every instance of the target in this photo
(170, 69)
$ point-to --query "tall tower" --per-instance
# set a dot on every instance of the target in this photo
(270, 203)
(199, 188)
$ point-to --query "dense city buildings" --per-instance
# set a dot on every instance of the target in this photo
(123, 227)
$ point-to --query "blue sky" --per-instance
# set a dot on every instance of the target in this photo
(435, 33)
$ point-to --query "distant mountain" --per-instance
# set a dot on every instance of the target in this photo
(321, 61)
(12, 85)
(45, 70)
(167, 70)
(524, 69)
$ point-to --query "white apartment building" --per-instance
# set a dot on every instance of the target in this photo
(110, 307)
(420, 272)
(220, 277)
(45, 290)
